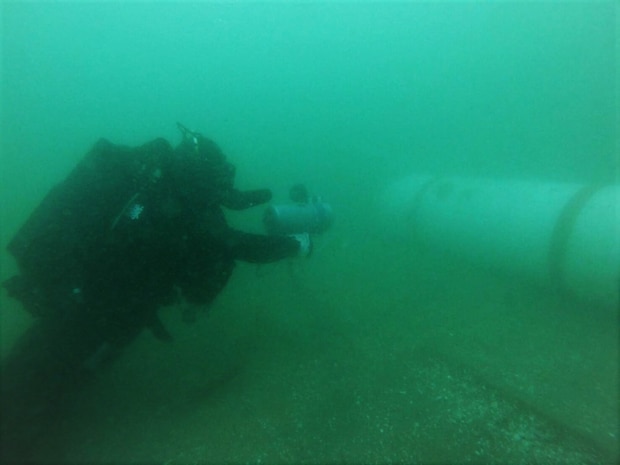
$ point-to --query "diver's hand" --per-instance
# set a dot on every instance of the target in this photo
(305, 244)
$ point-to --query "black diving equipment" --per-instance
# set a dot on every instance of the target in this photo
(313, 216)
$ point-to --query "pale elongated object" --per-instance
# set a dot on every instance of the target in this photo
(563, 235)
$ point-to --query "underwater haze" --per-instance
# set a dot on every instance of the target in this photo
(376, 349)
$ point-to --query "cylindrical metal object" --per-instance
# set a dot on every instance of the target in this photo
(295, 218)
(562, 235)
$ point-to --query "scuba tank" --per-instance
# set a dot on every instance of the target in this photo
(72, 225)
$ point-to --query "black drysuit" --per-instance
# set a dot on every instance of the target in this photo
(130, 230)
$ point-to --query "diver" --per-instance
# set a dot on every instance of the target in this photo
(129, 231)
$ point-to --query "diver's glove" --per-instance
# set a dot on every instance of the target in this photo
(305, 244)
